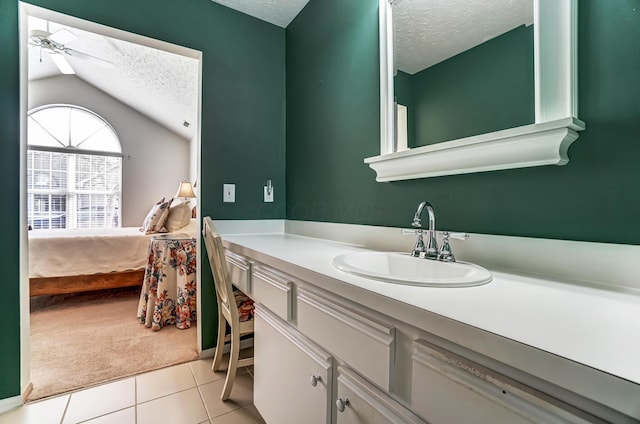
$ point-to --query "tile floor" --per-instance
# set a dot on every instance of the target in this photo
(183, 394)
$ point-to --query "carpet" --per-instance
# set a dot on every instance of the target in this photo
(84, 339)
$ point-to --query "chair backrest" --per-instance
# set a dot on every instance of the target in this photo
(221, 277)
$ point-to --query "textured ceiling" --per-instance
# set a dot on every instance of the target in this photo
(161, 85)
(164, 86)
(277, 12)
(427, 32)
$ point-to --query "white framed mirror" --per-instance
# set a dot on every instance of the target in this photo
(544, 142)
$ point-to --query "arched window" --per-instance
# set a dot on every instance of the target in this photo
(74, 169)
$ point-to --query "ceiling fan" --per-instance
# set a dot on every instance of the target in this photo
(55, 45)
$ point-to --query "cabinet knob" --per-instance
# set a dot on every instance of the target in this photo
(315, 379)
(341, 404)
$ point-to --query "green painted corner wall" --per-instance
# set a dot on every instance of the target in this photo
(332, 125)
(243, 125)
(9, 161)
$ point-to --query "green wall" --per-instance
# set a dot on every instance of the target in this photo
(243, 118)
(9, 160)
(487, 88)
(332, 124)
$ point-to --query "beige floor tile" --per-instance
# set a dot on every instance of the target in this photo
(185, 408)
(48, 411)
(202, 372)
(100, 400)
(126, 416)
(247, 415)
(241, 395)
(164, 382)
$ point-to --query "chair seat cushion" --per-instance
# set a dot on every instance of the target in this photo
(245, 305)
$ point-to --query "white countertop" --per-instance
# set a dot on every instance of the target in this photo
(591, 326)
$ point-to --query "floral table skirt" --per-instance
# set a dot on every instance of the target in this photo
(169, 287)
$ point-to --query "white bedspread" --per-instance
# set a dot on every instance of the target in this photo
(56, 253)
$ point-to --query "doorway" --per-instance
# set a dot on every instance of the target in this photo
(193, 123)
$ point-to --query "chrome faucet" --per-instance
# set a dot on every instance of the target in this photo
(430, 249)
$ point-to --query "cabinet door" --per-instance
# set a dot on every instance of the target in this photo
(360, 402)
(448, 388)
(292, 376)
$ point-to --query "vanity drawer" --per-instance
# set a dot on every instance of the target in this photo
(366, 344)
(273, 290)
(359, 402)
(239, 271)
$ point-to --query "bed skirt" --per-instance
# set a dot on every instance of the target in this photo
(81, 283)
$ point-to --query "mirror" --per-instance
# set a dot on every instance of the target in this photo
(450, 143)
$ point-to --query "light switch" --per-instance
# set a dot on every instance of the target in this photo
(229, 193)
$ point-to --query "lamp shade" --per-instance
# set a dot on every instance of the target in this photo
(185, 190)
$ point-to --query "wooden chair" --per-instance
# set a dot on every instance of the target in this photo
(227, 308)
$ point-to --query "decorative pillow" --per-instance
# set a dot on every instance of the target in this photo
(179, 216)
(156, 218)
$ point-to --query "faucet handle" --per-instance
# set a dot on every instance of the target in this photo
(457, 236)
(407, 232)
(445, 253)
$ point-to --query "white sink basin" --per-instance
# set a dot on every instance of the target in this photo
(401, 268)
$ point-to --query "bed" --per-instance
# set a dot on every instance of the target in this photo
(71, 261)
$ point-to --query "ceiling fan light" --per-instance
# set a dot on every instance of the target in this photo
(62, 63)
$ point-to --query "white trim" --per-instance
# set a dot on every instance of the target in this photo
(25, 318)
(544, 143)
(386, 74)
(526, 146)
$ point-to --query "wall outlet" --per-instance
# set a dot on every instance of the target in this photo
(229, 193)
(268, 194)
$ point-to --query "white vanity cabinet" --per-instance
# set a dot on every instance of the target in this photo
(292, 377)
(322, 356)
(295, 365)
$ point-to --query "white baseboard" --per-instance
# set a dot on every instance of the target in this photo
(208, 353)
(256, 226)
(10, 403)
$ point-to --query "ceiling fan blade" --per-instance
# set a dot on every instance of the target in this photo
(89, 58)
(61, 63)
(63, 36)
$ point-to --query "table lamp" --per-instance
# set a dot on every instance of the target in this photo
(185, 191)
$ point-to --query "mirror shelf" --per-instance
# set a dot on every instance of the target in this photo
(545, 142)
